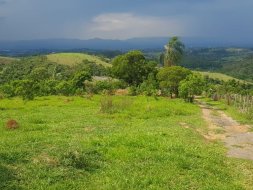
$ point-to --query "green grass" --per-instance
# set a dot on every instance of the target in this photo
(75, 58)
(231, 111)
(70, 143)
(221, 76)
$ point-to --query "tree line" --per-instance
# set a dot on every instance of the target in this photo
(36, 76)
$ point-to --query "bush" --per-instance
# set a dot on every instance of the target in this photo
(133, 91)
(192, 85)
(7, 90)
(108, 86)
(26, 89)
(65, 88)
(149, 87)
(80, 77)
(47, 87)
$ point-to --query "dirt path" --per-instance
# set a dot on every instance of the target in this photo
(236, 137)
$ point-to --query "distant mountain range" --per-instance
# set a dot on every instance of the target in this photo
(108, 44)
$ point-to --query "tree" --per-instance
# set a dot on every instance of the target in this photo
(174, 51)
(80, 77)
(191, 86)
(170, 77)
(26, 89)
(39, 74)
(149, 87)
(132, 67)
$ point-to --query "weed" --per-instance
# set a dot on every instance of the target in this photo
(107, 105)
(86, 160)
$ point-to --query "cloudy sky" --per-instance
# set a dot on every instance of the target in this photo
(122, 19)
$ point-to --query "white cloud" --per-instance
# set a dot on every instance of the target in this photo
(127, 25)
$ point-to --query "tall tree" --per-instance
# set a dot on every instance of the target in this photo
(132, 67)
(170, 77)
(174, 51)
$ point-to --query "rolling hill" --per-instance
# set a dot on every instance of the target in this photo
(75, 58)
(6, 60)
(221, 76)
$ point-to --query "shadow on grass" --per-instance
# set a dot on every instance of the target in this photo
(8, 179)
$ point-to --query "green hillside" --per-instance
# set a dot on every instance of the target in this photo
(231, 61)
(221, 76)
(75, 58)
(6, 60)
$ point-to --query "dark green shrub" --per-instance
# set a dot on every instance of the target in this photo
(65, 88)
(80, 77)
(26, 89)
(149, 87)
(133, 91)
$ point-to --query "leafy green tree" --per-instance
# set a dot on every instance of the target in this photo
(80, 77)
(26, 89)
(170, 77)
(65, 88)
(149, 87)
(174, 51)
(132, 67)
(191, 86)
(162, 59)
(39, 74)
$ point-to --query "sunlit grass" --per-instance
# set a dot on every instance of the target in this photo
(69, 143)
(75, 58)
(221, 76)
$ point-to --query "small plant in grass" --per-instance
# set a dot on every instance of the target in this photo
(1, 96)
(86, 160)
(12, 124)
(107, 105)
(249, 114)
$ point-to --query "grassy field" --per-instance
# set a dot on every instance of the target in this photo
(6, 60)
(221, 76)
(75, 58)
(112, 143)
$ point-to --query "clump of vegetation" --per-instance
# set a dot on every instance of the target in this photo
(107, 105)
(170, 77)
(191, 86)
(132, 67)
(108, 86)
(85, 160)
(12, 124)
(173, 54)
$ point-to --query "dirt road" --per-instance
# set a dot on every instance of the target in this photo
(236, 137)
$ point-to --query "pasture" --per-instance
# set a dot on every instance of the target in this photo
(75, 58)
(118, 142)
(221, 76)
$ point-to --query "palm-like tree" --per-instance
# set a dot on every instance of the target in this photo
(174, 51)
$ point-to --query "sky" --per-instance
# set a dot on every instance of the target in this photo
(229, 20)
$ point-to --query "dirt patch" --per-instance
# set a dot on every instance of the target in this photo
(45, 159)
(121, 92)
(184, 125)
(236, 137)
(12, 124)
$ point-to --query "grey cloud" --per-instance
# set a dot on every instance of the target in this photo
(33, 19)
(2, 2)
